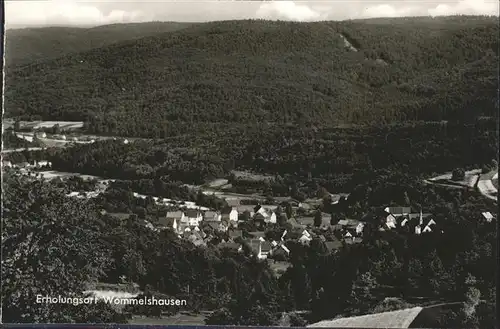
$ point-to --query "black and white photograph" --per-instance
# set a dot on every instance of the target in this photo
(250, 163)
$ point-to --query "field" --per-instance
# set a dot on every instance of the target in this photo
(470, 179)
(51, 174)
(248, 176)
(64, 125)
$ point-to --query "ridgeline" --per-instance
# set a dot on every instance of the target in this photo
(256, 71)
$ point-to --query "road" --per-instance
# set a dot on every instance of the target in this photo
(23, 149)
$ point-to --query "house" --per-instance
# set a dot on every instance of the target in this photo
(6, 164)
(268, 215)
(172, 220)
(234, 234)
(125, 141)
(43, 163)
(359, 228)
(488, 216)
(260, 248)
(393, 319)
(233, 203)
(295, 224)
(231, 246)
(333, 245)
(192, 217)
(231, 215)
(212, 216)
(326, 220)
(246, 208)
(272, 218)
(256, 235)
(305, 238)
(349, 223)
(218, 226)
(398, 211)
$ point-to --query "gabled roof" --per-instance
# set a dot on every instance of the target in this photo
(215, 225)
(295, 224)
(394, 319)
(349, 222)
(259, 217)
(229, 245)
(210, 214)
(398, 210)
(266, 246)
(306, 220)
(166, 221)
(487, 215)
(192, 213)
(174, 214)
(332, 245)
(257, 234)
(233, 202)
(235, 233)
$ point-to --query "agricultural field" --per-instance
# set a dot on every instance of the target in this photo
(248, 176)
(470, 179)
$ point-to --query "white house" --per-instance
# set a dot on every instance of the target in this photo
(271, 218)
(427, 229)
(6, 164)
(173, 220)
(488, 216)
(261, 248)
(305, 239)
(418, 229)
(359, 228)
(192, 217)
(233, 215)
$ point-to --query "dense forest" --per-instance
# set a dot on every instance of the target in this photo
(300, 160)
(356, 279)
(224, 73)
(31, 45)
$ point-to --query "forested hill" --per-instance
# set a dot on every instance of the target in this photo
(28, 45)
(273, 72)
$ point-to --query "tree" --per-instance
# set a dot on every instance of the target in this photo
(288, 210)
(362, 297)
(472, 299)
(56, 129)
(51, 245)
(458, 174)
(317, 218)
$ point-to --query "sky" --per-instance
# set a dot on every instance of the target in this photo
(28, 13)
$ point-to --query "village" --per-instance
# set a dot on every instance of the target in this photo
(264, 230)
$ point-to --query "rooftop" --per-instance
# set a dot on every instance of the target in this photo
(393, 319)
